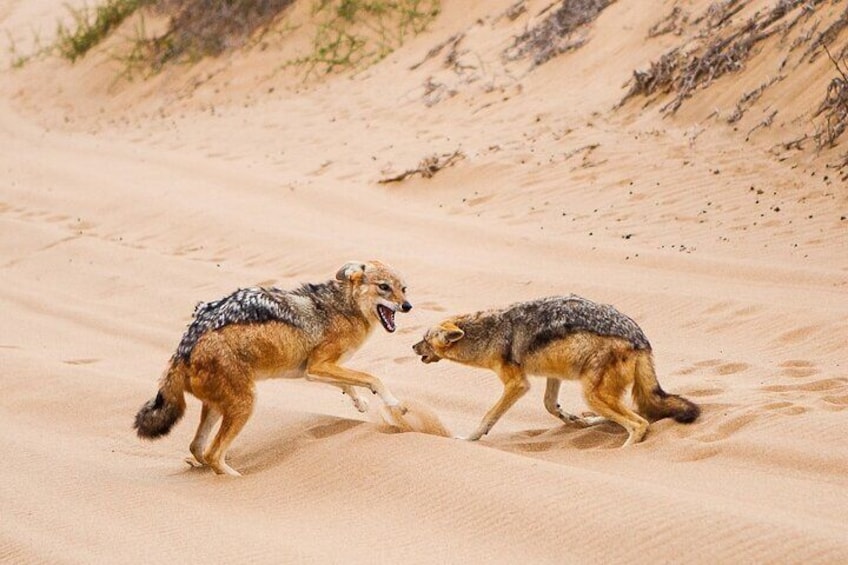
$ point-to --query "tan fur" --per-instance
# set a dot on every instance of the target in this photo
(605, 365)
(225, 362)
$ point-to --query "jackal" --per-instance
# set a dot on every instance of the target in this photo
(259, 332)
(561, 338)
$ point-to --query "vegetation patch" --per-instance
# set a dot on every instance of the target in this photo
(834, 107)
(719, 48)
(203, 28)
(91, 27)
(357, 33)
(348, 33)
(556, 32)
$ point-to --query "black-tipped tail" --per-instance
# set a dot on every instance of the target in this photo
(653, 402)
(158, 416)
(682, 410)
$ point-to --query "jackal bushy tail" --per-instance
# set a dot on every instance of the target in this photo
(653, 402)
(158, 416)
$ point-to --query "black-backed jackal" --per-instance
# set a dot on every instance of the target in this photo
(561, 338)
(258, 333)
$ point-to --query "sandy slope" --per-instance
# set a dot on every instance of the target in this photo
(121, 208)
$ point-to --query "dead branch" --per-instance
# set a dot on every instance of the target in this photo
(428, 166)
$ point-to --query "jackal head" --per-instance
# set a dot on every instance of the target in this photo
(437, 342)
(377, 289)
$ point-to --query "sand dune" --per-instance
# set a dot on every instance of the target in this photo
(123, 204)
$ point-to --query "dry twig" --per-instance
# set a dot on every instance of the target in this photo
(428, 166)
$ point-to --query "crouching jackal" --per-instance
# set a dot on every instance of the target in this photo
(561, 338)
(258, 333)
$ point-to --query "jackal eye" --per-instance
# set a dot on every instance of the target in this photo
(384, 287)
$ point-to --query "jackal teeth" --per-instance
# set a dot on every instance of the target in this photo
(387, 317)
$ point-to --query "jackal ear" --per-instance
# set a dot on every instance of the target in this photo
(351, 271)
(452, 333)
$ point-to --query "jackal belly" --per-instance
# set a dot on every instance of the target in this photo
(566, 358)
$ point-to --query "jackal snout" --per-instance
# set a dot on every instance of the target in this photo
(437, 341)
(426, 352)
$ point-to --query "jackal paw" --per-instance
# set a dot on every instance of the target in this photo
(591, 420)
(192, 461)
(359, 403)
(398, 407)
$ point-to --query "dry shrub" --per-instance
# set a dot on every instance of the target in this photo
(750, 98)
(720, 49)
(553, 35)
(671, 23)
(834, 107)
(719, 13)
(828, 36)
(200, 28)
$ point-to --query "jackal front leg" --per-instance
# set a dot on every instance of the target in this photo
(515, 386)
(330, 373)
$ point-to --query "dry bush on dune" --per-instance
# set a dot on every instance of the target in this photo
(348, 33)
(554, 34)
(718, 48)
(199, 28)
(196, 28)
(834, 107)
(672, 23)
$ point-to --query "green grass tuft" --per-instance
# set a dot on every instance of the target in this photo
(89, 31)
(357, 33)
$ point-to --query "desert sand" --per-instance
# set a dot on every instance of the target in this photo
(123, 204)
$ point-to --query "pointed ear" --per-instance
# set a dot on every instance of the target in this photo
(351, 271)
(452, 332)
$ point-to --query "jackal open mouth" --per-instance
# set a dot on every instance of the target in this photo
(420, 348)
(387, 317)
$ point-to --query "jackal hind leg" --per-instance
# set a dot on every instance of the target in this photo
(209, 416)
(603, 391)
(235, 416)
(553, 407)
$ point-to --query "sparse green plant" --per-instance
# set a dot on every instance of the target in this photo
(91, 29)
(136, 59)
(18, 59)
(357, 33)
